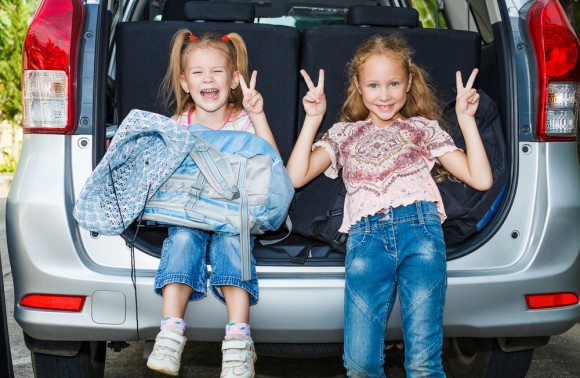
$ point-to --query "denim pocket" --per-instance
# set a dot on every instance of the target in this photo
(357, 244)
(432, 229)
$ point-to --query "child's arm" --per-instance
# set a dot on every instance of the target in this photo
(304, 164)
(254, 105)
(471, 167)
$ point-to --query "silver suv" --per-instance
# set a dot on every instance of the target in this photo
(512, 282)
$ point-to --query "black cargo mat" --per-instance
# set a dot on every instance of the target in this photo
(294, 250)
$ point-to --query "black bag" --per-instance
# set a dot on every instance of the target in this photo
(316, 212)
(468, 210)
(317, 209)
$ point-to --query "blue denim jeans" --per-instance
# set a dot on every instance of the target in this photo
(399, 249)
(183, 260)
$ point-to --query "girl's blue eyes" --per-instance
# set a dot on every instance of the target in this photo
(394, 84)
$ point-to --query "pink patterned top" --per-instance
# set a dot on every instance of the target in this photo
(385, 167)
(238, 122)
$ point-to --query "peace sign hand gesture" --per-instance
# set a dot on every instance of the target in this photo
(467, 97)
(253, 102)
(314, 101)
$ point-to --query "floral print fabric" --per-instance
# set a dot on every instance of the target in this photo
(385, 167)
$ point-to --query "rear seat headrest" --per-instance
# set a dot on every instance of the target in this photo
(368, 15)
(223, 11)
(213, 11)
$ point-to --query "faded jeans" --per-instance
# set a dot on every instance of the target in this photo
(400, 249)
(183, 260)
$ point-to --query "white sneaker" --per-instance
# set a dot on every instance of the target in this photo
(238, 357)
(166, 355)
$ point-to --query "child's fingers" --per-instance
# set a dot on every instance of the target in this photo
(243, 83)
(247, 99)
(458, 81)
(314, 96)
(471, 79)
(255, 98)
(253, 79)
(308, 100)
(307, 79)
(474, 98)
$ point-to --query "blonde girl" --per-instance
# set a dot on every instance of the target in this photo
(206, 83)
(386, 143)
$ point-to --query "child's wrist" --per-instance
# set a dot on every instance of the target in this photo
(463, 116)
(315, 116)
(250, 112)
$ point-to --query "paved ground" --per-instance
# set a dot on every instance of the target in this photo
(560, 358)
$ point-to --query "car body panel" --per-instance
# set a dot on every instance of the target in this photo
(534, 247)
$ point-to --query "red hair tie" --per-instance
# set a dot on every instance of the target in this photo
(225, 38)
(192, 37)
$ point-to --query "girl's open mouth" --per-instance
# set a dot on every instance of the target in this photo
(210, 94)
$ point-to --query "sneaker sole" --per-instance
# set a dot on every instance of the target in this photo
(162, 370)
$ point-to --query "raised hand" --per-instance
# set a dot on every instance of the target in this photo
(314, 101)
(467, 97)
(253, 102)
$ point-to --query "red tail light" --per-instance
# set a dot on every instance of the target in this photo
(557, 53)
(53, 302)
(538, 301)
(49, 67)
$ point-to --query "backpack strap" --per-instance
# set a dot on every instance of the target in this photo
(219, 174)
(244, 224)
(215, 167)
(288, 224)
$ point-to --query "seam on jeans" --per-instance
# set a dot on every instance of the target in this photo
(361, 305)
(412, 218)
(353, 252)
(174, 278)
(395, 246)
(436, 238)
(197, 293)
(418, 301)
(357, 369)
(385, 318)
(351, 239)
(416, 361)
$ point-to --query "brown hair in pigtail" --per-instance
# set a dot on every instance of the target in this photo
(184, 41)
(171, 93)
(239, 57)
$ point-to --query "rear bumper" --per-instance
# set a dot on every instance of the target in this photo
(304, 308)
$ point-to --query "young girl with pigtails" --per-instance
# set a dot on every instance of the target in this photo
(386, 144)
(207, 82)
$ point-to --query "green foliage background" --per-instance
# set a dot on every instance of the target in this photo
(14, 18)
(428, 12)
(14, 15)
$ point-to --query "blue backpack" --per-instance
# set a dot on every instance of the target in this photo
(231, 182)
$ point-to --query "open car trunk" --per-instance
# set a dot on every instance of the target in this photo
(278, 52)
